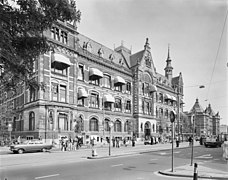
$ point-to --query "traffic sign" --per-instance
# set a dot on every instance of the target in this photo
(172, 116)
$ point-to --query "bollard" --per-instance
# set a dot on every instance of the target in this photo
(94, 152)
(195, 175)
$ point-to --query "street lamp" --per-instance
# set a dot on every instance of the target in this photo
(110, 133)
(10, 130)
(193, 131)
(193, 118)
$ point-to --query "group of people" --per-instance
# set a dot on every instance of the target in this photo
(126, 142)
(70, 144)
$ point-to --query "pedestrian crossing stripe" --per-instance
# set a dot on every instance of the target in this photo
(205, 156)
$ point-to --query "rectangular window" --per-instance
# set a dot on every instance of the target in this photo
(95, 82)
(62, 122)
(55, 92)
(107, 106)
(81, 73)
(128, 107)
(107, 81)
(59, 35)
(147, 108)
(118, 88)
(62, 93)
(58, 70)
(128, 88)
(32, 94)
(94, 100)
(118, 105)
(64, 37)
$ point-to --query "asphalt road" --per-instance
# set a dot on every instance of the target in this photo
(66, 165)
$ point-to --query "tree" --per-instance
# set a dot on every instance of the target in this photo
(79, 127)
(22, 23)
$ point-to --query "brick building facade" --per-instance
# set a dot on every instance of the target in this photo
(207, 122)
(83, 86)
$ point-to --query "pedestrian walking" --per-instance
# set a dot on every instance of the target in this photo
(70, 144)
(151, 140)
(124, 142)
(117, 142)
(113, 142)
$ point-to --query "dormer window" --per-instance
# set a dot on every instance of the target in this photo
(100, 52)
(59, 35)
(111, 57)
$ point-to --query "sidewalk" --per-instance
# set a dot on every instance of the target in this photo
(203, 172)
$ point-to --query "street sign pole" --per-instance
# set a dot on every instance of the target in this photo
(172, 119)
(172, 144)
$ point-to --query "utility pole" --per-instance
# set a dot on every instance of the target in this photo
(193, 131)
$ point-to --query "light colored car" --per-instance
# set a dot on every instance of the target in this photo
(212, 142)
(30, 146)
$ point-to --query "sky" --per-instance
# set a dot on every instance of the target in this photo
(195, 29)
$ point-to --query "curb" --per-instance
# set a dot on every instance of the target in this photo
(190, 176)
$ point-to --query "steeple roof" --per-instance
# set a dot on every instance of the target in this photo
(197, 107)
(168, 61)
(209, 110)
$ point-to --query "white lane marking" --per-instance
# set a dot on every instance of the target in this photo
(177, 152)
(153, 159)
(117, 165)
(163, 153)
(41, 177)
(139, 178)
(205, 156)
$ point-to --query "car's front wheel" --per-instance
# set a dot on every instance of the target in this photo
(44, 150)
(20, 151)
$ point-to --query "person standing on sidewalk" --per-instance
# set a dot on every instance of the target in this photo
(117, 142)
(113, 142)
(190, 140)
(133, 142)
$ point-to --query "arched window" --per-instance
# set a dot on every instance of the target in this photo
(106, 125)
(126, 126)
(93, 124)
(117, 126)
(31, 121)
(160, 113)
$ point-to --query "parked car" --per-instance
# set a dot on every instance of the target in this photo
(30, 146)
(147, 141)
(212, 142)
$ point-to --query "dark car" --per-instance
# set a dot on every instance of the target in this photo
(212, 143)
(30, 146)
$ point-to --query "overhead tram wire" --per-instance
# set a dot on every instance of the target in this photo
(216, 58)
(198, 85)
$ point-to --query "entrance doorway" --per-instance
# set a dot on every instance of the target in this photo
(147, 129)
